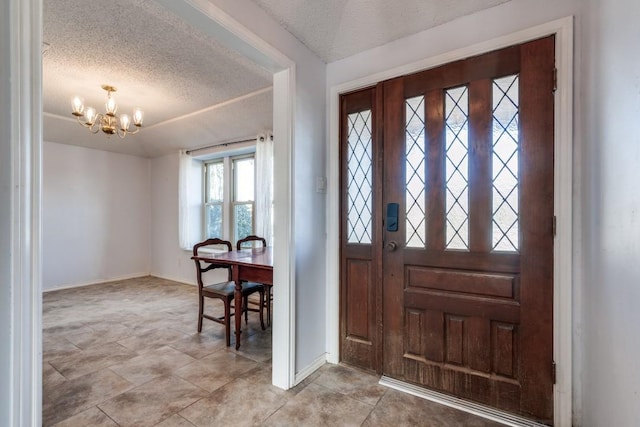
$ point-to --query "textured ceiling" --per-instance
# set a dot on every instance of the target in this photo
(193, 90)
(335, 29)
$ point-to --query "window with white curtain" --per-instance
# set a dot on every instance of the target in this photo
(226, 193)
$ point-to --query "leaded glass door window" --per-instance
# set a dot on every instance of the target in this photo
(359, 177)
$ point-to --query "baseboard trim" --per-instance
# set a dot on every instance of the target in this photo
(310, 369)
(97, 282)
(463, 405)
(115, 279)
(173, 279)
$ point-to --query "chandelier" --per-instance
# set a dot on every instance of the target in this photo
(109, 122)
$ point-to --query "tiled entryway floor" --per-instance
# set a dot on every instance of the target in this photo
(126, 353)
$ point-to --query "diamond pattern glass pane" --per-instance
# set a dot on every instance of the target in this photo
(505, 164)
(415, 172)
(457, 168)
(359, 177)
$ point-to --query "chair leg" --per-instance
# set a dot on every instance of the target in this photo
(200, 312)
(268, 303)
(245, 309)
(227, 322)
(262, 309)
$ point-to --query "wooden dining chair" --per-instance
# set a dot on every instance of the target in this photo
(224, 291)
(249, 242)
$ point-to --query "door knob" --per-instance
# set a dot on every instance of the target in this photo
(391, 246)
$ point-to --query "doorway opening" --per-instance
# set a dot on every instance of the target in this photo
(27, 118)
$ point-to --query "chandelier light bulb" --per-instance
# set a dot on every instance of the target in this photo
(111, 106)
(77, 106)
(90, 116)
(125, 121)
(138, 117)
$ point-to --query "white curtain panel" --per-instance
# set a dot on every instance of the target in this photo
(184, 225)
(264, 187)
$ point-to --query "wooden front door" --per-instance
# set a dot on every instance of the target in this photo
(447, 229)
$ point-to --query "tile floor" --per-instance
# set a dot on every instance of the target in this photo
(126, 353)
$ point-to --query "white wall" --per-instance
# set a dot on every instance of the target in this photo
(167, 259)
(310, 161)
(310, 213)
(96, 215)
(5, 216)
(611, 215)
(606, 288)
(504, 19)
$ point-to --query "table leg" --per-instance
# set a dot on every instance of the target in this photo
(238, 304)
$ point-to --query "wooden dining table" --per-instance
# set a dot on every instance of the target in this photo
(247, 265)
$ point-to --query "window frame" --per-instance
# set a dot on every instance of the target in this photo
(234, 194)
(229, 203)
(207, 196)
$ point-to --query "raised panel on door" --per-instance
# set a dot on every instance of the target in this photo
(468, 293)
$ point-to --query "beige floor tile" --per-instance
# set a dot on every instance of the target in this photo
(200, 345)
(163, 319)
(255, 344)
(108, 325)
(153, 402)
(61, 401)
(402, 409)
(216, 370)
(308, 380)
(55, 348)
(50, 377)
(96, 334)
(92, 359)
(141, 324)
(260, 375)
(352, 382)
(93, 417)
(152, 340)
(319, 406)
(65, 329)
(175, 421)
(162, 362)
(239, 403)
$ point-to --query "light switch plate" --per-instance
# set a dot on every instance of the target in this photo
(321, 184)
